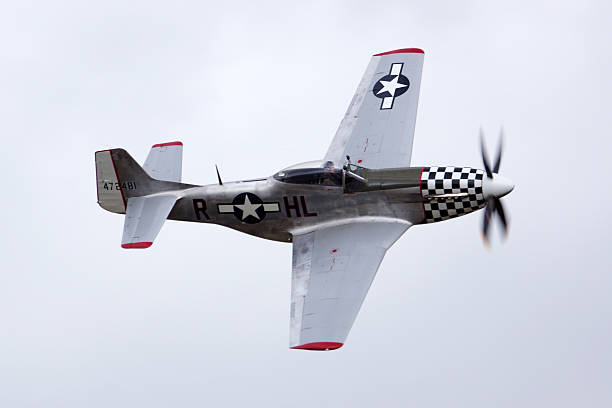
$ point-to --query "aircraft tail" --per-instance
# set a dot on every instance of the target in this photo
(124, 187)
(165, 161)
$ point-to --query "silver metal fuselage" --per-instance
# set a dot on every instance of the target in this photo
(299, 206)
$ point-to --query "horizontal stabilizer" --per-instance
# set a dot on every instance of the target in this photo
(165, 161)
(144, 218)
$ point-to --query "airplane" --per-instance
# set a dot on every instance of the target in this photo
(341, 213)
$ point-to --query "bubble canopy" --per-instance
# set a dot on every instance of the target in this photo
(318, 172)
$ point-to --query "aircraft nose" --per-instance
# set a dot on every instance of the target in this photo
(498, 186)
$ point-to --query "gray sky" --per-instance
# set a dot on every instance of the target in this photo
(202, 317)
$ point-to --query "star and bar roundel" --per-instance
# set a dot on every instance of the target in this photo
(391, 86)
(249, 208)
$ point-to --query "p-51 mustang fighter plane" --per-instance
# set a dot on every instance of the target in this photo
(341, 213)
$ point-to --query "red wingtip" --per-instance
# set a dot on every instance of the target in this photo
(403, 51)
(168, 144)
(321, 346)
(138, 245)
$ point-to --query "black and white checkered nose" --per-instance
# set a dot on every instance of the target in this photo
(497, 186)
(450, 192)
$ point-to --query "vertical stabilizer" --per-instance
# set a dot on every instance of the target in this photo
(110, 193)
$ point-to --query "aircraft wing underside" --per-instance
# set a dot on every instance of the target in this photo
(377, 130)
(333, 268)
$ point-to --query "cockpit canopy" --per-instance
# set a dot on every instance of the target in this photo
(314, 173)
(352, 178)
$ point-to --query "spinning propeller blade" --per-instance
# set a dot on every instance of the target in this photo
(485, 157)
(486, 220)
(502, 217)
(493, 205)
(499, 151)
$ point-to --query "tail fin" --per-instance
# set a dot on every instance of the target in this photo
(119, 177)
(125, 188)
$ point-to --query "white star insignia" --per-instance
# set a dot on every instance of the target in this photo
(248, 208)
(391, 86)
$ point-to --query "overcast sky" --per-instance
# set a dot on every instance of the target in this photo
(202, 317)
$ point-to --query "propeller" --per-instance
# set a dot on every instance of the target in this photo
(496, 188)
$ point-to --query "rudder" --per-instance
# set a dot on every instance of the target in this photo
(110, 193)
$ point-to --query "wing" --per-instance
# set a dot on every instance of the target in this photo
(144, 218)
(165, 161)
(378, 128)
(333, 269)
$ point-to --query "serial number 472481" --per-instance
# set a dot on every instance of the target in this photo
(126, 185)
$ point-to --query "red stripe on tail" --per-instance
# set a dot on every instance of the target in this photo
(324, 345)
(134, 245)
(168, 144)
(403, 51)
